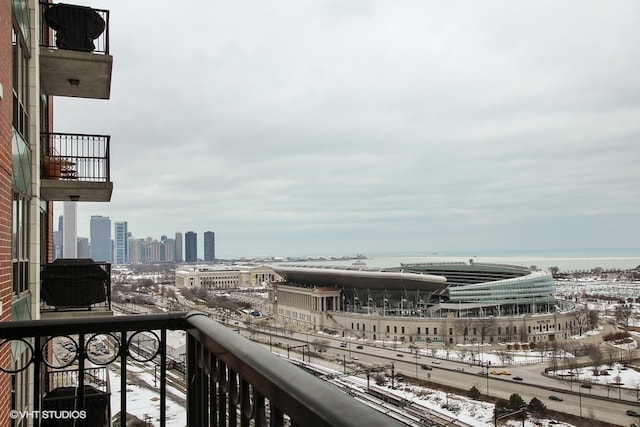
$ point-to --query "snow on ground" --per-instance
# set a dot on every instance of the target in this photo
(473, 412)
(143, 398)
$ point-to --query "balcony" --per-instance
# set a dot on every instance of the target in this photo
(74, 51)
(75, 288)
(229, 379)
(75, 167)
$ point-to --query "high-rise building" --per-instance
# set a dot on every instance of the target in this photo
(191, 246)
(121, 242)
(83, 247)
(58, 236)
(179, 257)
(209, 246)
(70, 236)
(100, 229)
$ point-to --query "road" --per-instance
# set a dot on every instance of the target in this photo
(578, 401)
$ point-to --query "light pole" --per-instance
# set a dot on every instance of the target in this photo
(487, 375)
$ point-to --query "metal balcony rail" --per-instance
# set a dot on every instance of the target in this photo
(77, 157)
(229, 379)
(71, 27)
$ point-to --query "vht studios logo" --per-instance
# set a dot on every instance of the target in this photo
(48, 415)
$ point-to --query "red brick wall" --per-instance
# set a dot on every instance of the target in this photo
(5, 195)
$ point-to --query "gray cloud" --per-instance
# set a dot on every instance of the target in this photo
(306, 127)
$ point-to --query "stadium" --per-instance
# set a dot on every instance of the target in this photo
(426, 301)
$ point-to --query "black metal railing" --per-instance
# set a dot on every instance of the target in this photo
(229, 379)
(72, 284)
(72, 27)
(78, 157)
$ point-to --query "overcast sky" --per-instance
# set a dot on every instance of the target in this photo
(333, 127)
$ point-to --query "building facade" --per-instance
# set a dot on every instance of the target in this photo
(70, 227)
(191, 246)
(121, 255)
(41, 166)
(449, 303)
(101, 243)
(209, 246)
(225, 277)
(179, 244)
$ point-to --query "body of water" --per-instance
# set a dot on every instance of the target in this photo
(565, 260)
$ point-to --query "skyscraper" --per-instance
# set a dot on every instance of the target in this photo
(179, 247)
(209, 246)
(121, 242)
(100, 229)
(191, 246)
(70, 236)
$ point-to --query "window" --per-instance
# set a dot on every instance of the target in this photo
(435, 331)
(20, 83)
(418, 330)
(20, 243)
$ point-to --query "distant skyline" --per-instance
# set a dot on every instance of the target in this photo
(304, 127)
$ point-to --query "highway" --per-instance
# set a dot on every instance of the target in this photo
(590, 403)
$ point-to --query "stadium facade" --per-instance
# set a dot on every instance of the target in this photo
(451, 303)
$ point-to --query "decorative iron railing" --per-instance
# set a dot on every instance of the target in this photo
(77, 157)
(229, 380)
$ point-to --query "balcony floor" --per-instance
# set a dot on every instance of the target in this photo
(81, 191)
(92, 71)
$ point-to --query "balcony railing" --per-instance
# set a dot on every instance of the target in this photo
(78, 162)
(72, 27)
(74, 51)
(229, 379)
(76, 285)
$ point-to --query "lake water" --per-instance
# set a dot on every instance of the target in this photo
(565, 260)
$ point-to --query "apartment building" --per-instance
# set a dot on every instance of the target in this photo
(46, 51)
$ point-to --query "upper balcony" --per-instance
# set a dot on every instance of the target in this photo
(75, 288)
(75, 167)
(74, 51)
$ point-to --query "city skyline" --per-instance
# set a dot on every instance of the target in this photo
(327, 128)
(121, 234)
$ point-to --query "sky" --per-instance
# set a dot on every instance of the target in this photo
(327, 127)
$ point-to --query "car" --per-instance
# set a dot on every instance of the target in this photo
(496, 372)
(436, 362)
(354, 357)
(586, 385)
(426, 367)
(400, 355)
(506, 373)
(556, 398)
(460, 369)
(343, 344)
(517, 378)
(633, 413)
(359, 347)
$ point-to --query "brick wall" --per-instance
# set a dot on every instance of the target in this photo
(5, 196)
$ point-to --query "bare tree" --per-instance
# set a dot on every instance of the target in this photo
(597, 356)
(487, 327)
(622, 314)
(582, 318)
(462, 326)
(503, 355)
